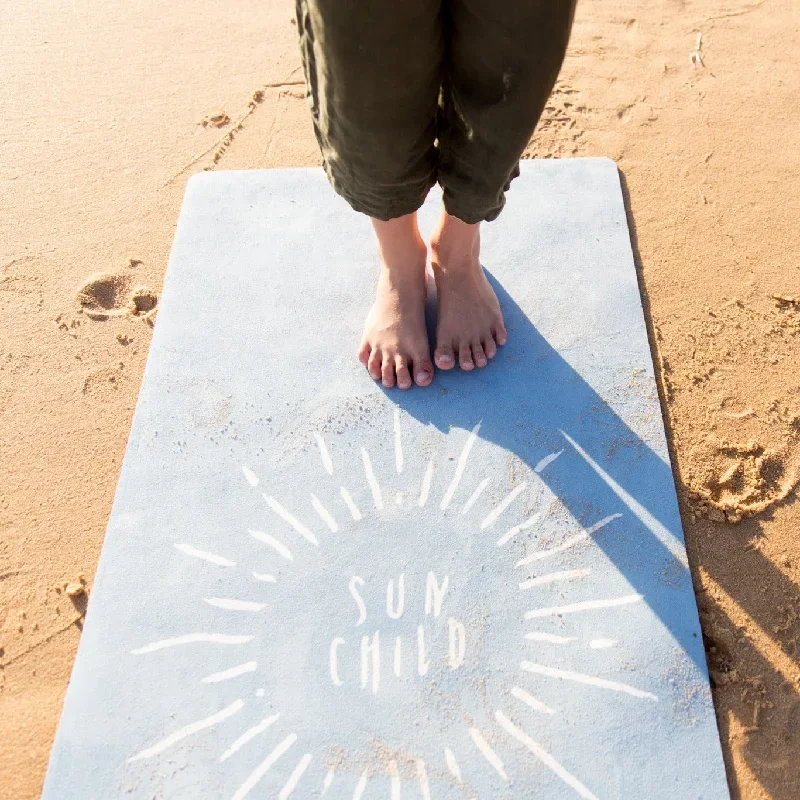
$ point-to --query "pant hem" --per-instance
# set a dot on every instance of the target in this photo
(395, 205)
(472, 213)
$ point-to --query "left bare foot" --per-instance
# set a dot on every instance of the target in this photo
(470, 323)
(395, 348)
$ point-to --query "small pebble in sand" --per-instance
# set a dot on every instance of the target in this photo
(76, 588)
(217, 119)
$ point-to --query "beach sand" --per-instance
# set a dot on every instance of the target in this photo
(107, 109)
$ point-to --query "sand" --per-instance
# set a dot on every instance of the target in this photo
(107, 109)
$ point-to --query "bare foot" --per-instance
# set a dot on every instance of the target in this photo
(470, 323)
(395, 344)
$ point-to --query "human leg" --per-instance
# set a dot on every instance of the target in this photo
(373, 72)
(500, 66)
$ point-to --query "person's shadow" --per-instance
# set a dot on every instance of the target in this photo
(539, 404)
(534, 393)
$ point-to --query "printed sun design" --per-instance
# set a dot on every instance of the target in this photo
(406, 633)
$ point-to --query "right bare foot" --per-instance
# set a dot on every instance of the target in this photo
(395, 347)
(470, 323)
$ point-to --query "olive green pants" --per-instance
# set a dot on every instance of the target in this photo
(405, 93)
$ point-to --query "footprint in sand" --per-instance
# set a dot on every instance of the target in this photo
(142, 300)
(737, 480)
(102, 385)
(106, 295)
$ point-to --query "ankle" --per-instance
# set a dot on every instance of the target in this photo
(455, 245)
(406, 277)
(401, 249)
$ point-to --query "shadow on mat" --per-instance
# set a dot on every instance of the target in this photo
(612, 471)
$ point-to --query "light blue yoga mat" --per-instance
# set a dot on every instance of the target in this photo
(311, 586)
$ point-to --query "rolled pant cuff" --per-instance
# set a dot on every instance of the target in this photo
(473, 210)
(382, 205)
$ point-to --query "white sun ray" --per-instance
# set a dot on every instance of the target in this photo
(530, 700)
(543, 756)
(398, 443)
(233, 672)
(523, 526)
(602, 523)
(452, 764)
(473, 498)
(212, 558)
(324, 514)
(324, 454)
(486, 751)
(349, 502)
(267, 538)
(546, 461)
(326, 784)
(294, 778)
(290, 519)
(250, 476)
(264, 577)
(602, 644)
(657, 528)
(398, 656)
(231, 604)
(191, 638)
(460, 467)
(264, 767)
(589, 680)
(586, 605)
(249, 734)
(568, 543)
(361, 785)
(424, 785)
(550, 638)
(426, 485)
(493, 515)
(395, 780)
(552, 577)
(377, 497)
(189, 730)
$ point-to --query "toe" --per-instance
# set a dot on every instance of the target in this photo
(387, 372)
(477, 354)
(402, 371)
(489, 347)
(465, 357)
(423, 371)
(374, 365)
(444, 357)
(364, 352)
(499, 333)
